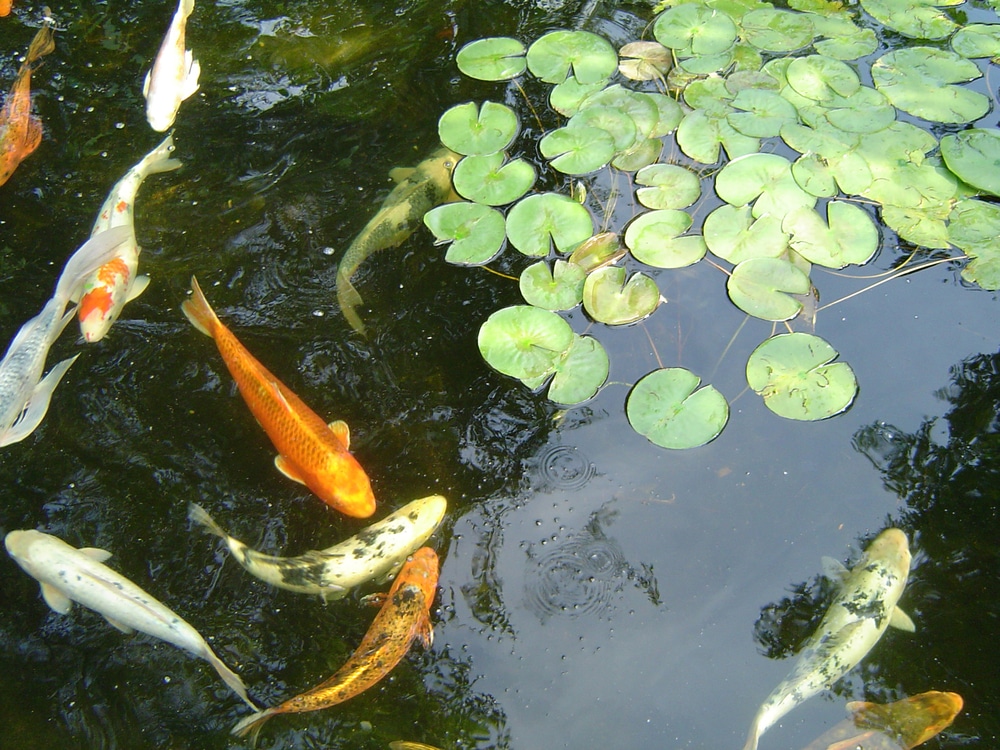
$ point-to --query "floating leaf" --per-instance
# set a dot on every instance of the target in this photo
(580, 373)
(774, 30)
(538, 221)
(654, 239)
(600, 250)
(669, 115)
(919, 80)
(486, 179)
(865, 111)
(819, 78)
(467, 129)
(763, 287)
(843, 39)
(641, 108)
(642, 154)
(764, 112)
(559, 288)
(492, 59)
(794, 375)
(732, 234)
(694, 30)
(567, 96)
(850, 237)
(919, 19)
(975, 229)
(524, 342)
(977, 40)
(921, 226)
(974, 155)
(589, 57)
(577, 149)
(609, 299)
(667, 407)
(476, 231)
(645, 61)
(667, 186)
(814, 176)
(700, 137)
(615, 123)
(765, 179)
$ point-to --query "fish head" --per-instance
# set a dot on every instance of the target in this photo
(438, 167)
(426, 512)
(20, 543)
(343, 485)
(912, 721)
(420, 570)
(891, 549)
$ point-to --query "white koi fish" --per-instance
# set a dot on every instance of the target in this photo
(68, 575)
(174, 75)
(106, 291)
(24, 394)
(375, 554)
(864, 608)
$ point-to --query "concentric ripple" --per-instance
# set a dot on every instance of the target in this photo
(580, 576)
(563, 467)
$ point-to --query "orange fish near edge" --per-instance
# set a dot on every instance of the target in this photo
(404, 616)
(309, 450)
(21, 131)
(4, 8)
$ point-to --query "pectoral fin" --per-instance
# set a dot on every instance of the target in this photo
(119, 625)
(342, 432)
(96, 554)
(56, 599)
(899, 619)
(38, 404)
(194, 70)
(833, 569)
(137, 288)
(425, 631)
(145, 85)
(289, 469)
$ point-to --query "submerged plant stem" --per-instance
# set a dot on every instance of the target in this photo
(900, 274)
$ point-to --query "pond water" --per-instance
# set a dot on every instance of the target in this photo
(595, 591)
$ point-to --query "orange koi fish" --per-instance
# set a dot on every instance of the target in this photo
(405, 615)
(309, 451)
(4, 8)
(21, 131)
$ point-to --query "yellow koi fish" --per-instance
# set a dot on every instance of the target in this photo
(174, 75)
(405, 615)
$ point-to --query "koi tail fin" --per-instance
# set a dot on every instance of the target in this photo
(42, 44)
(348, 299)
(198, 311)
(754, 737)
(186, 7)
(200, 516)
(91, 255)
(159, 159)
(252, 724)
(230, 678)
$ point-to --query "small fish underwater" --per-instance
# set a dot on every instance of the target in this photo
(174, 75)
(418, 190)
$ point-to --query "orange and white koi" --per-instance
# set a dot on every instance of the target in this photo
(404, 616)
(309, 451)
(21, 131)
(174, 75)
(105, 293)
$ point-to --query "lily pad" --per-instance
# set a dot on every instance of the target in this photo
(820, 78)
(642, 154)
(611, 120)
(694, 30)
(668, 408)
(765, 179)
(764, 112)
(796, 376)
(763, 287)
(773, 30)
(850, 236)
(843, 39)
(865, 111)
(471, 130)
(813, 174)
(734, 235)
(667, 186)
(539, 221)
(567, 96)
(476, 232)
(580, 373)
(645, 61)
(977, 40)
(525, 342)
(974, 156)
(975, 229)
(578, 149)
(492, 59)
(918, 19)
(919, 80)
(641, 109)
(921, 226)
(609, 299)
(487, 179)
(588, 57)
(558, 288)
(669, 115)
(600, 250)
(655, 239)
(701, 137)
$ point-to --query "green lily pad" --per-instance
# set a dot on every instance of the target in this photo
(918, 19)
(654, 239)
(558, 288)
(850, 237)
(609, 299)
(539, 221)
(975, 229)
(919, 80)
(578, 149)
(595, 252)
(818, 77)
(813, 174)
(710, 96)
(641, 109)
(977, 40)
(492, 59)
(645, 61)
(764, 112)
(708, 64)
(763, 287)
(580, 373)
(642, 154)
(701, 137)
(773, 30)
(732, 234)
(921, 226)
(469, 130)
(487, 179)
(796, 376)
(694, 30)
(765, 179)
(843, 39)
(668, 408)
(974, 156)
(588, 57)
(567, 96)
(865, 111)
(667, 186)
(669, 115)
(614, 122)
(525, 342)
(476, 232)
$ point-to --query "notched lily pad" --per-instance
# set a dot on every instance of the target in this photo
(974, 156)
(580, 372)
(645, 61)
(667, 407)
(655, 239)
(919, 80)
(476, 232)
(577, 149)
(667, 186)
(695, 31)
(765, 179)
(774, 30)
(598, 251)
(609, 299)
(487, 179)
(539, 221)
(558, 288)
(525, 342)
(734, 235)
(588, 57)
(471, 130)
(492, 59)
(763, 287)
(849, 237)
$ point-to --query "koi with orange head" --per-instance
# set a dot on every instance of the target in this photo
(21, 131)
(404, 616)
(309, 450)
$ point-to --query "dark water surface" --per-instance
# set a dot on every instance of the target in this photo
(596, 591)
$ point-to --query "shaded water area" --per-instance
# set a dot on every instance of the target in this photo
(595, 591)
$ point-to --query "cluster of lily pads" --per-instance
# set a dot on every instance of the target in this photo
(810, 155)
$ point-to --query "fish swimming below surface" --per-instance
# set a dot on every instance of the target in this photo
(174, 75)
(5, 8)
(419, 190)
(900, 725)
(67, 574)
(105, 293)
(24, 394)
(864, 607)
(404, 615)
(374, 554)
(309, 451)
(21, 131)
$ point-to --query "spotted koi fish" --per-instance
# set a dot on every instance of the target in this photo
(105, 293)
(404, 616)
(21, 131)
(309, 451)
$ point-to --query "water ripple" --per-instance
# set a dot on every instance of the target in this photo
(579, 577)
(563, 467)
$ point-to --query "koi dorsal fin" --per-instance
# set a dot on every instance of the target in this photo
(96, 554)
(342, 432)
